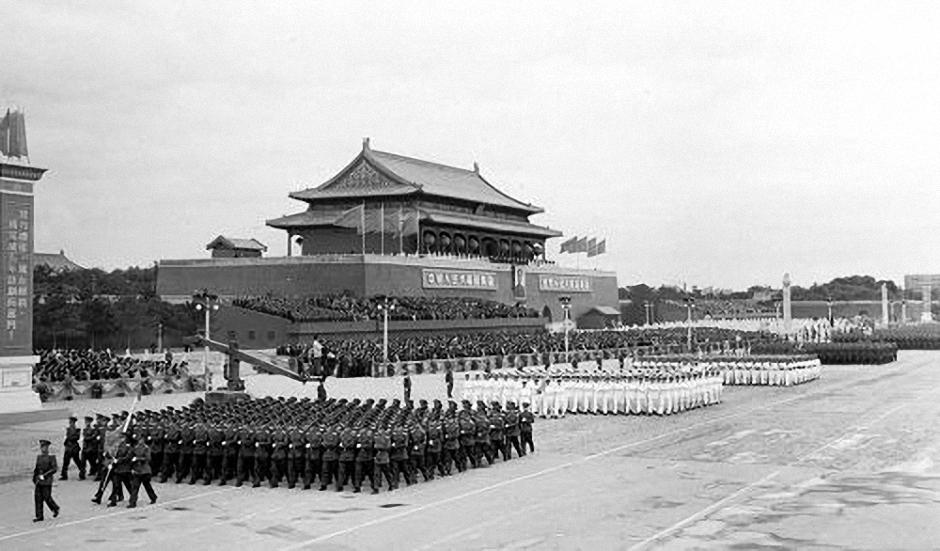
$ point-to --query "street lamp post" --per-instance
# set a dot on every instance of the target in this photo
(206, 302)
(385, 306)
(160, 337)
(648, 307)
(690, 305)
(566, 306)
(829, 309)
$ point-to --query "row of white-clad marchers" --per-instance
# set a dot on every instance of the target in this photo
(633, 392)
(752, 370)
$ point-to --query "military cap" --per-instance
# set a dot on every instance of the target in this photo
(89, 418)
(72, 418)
(44, 443)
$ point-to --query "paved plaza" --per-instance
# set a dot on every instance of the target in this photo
(846, 462)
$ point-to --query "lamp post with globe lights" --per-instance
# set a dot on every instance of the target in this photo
(385, 307)
(206, 302)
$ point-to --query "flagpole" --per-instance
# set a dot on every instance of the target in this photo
(418, 234)
(362, 227)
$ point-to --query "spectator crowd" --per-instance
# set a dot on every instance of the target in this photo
(57, 366)
(354, 358)
(345, 307)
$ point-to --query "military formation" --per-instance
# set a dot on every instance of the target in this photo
(304, 443)
(768, 370)
(662, 391)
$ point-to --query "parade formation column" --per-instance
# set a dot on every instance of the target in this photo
(16, 286)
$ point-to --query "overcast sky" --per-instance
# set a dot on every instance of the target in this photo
(711, 143)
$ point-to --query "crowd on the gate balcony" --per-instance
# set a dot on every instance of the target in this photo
(344, 307)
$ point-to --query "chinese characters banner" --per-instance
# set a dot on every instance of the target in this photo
(16, 240)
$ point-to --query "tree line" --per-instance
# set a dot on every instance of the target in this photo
(92, 308)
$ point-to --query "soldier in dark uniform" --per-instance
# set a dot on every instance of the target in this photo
(449, 381)
(347, 457)
(229, 453)
(121, 473)
(155, 441)
(481, 424)
(296, 453)
(512, 430)
(172, 438)
(399, 454)
(364, 459)
(330, 456)
(313, 440)
(72, 450)
(467, 430)
(419, 439)
(526, 420)
(214, 453)
(101, 431)
(262, 454)
(90, 447)
(432, 458)
(406, 383)
(200, 447)
(497, 437)
(382, 442)
(43, 474)
(451, 444)
(186, 442)
(278, 457)
(245, 464)
(141, 472)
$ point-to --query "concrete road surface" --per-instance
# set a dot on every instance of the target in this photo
(847, 462)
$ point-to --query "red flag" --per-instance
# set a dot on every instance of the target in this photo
(568, 245)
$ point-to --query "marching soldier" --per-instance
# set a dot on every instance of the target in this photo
(313, 441)
(365, 461)
(513, 430)
(172, 438)
(43, 474)
(121, 473)
(296, 454)
(215, 450)
(245, 464)
(200, 448)
(229, 453)
(418, 438)
(186, 442)
(382, 442)
(72, 450)
(432, 460)
(140, 472)
(90, 447)
(399, 455)
(329, 467)
(262, 454)
(347, 457)
(526, 420)
(278, 458)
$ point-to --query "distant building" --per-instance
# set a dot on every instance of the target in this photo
(413, 206)
(233, 247)
(57, 262)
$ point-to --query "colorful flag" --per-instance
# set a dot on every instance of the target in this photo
(591, 246)
(568, 245)
(580, 246)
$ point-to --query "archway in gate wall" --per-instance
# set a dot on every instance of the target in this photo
(547, 313)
